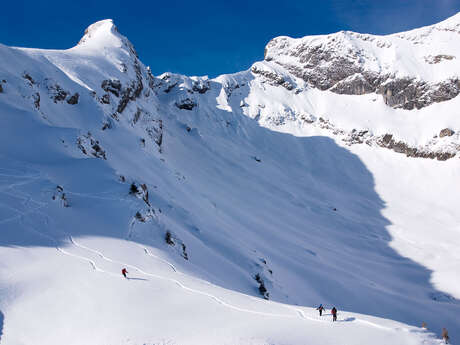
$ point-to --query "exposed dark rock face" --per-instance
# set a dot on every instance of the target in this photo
(230, 87)
(326, 67)
(410, 93)
(274, 78)
(446, 132)
(125, 97)
(28, 77)
(137, 85)
(170, 87)
(201, 86)
(401, 147)
(1, 88)
(150, 78)
(105, 99)
(89, 146)
(106, 125)
(357, 137)
(357, 84)
(131, 92)
(36, 97)
(113, 86)
(137, 116)
(186, 104)
(438, 58)
(60, 195)
(57, 93)
(155, 132)
(262, 289)
(73, 99)
(169, 239)
(430, 150)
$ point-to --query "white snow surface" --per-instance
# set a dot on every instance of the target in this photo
(243, 187)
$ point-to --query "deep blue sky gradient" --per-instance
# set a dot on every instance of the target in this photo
(209, 37)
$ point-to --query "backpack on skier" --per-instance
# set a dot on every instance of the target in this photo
(334, 314)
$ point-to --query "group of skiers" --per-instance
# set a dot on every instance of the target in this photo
(445, 335)
(333, 312)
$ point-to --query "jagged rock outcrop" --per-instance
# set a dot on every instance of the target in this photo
(356, 64)
(274, 78)
(410, 93)
(105, 99)
(431, 150)
(186, 104)
(438, 58)
(319, 67)
(57, 93)
(90, 146)
(389, 142)
(201, 86)
(113, 86)
(73, 99)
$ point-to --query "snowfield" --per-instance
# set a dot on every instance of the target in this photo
(237, 204)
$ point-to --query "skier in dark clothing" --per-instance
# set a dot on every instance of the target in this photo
(124, 271)
(334, 314)
(320, 309)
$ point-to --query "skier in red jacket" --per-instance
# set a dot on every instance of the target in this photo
(334, 314)
(124, 271)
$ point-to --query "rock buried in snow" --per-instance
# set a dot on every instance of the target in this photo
(73, 99)
(446, 132)
(186, 104)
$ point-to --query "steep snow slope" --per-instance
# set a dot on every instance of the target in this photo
(101, 162)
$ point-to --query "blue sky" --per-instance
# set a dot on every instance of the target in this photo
(209, 37)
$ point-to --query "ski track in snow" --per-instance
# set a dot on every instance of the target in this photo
(149, 253)
(298, 313)
(301, 314)
(178, 283)
(25, 197)
(63, 251)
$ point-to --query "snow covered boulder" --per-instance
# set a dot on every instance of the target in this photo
(446, 132)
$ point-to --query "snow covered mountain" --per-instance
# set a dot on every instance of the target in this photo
(237, 204)
(406, 71)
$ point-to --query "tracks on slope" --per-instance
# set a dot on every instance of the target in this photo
(301, 314)
(180, 284)
(298, 312)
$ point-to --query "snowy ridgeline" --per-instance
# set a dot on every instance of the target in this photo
(236, 204)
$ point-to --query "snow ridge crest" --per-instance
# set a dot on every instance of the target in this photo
(105, 35)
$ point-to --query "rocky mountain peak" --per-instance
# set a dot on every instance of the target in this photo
(406, 69)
